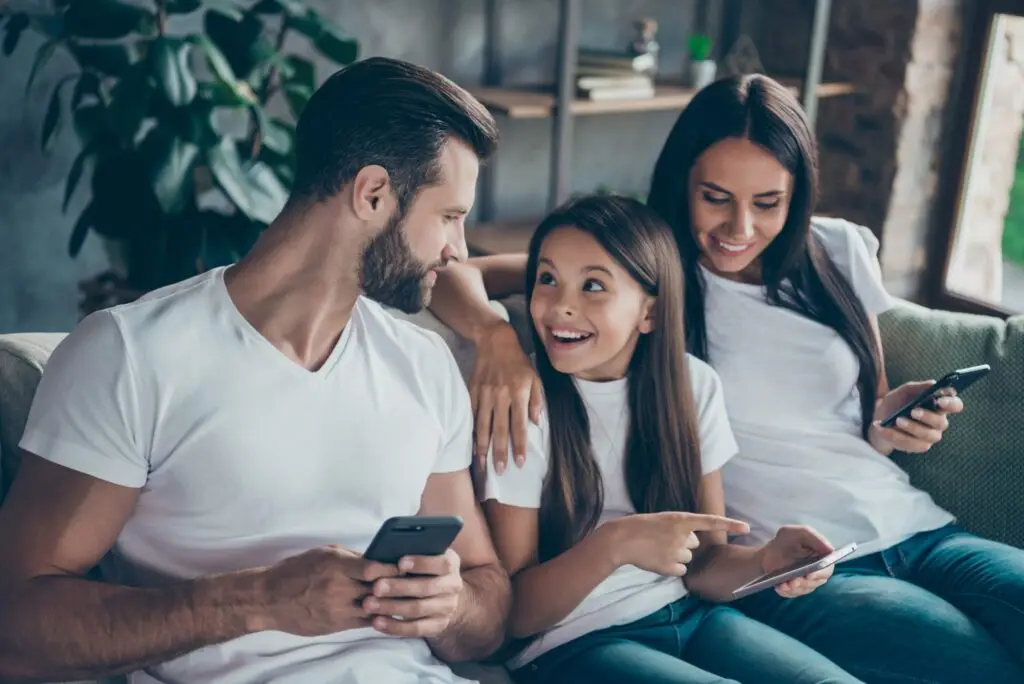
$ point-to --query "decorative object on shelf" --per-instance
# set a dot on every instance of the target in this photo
(645, 43)
(743, 58)
(610, 75)
(175, 189)
(702, 67)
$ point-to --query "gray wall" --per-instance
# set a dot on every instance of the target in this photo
(38, 279)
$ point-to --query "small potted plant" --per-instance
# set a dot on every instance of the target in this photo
(702, 67)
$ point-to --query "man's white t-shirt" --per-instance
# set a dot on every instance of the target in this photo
(794, 406)
(245, 458)
(629, 593)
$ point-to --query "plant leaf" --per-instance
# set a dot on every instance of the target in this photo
(75, 175)
(169, 58)
(169, 163)
(44, 54)
(81, 230)
(106, 19)
(302, 72)
(182, 6)
(15, 25)
(256, 191)
(279, 136)
(294, 7)
(228, 8)
(54, 111)
(129, 102)
(88, 122)
(298, 97)
(242, 42)
(223, 70)
(308, 23)
(88, 84)
(334, 44)
(111, 60)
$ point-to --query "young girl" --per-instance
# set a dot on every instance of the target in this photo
(784, 308)
(620, 487)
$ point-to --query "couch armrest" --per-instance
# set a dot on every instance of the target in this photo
(977, 471)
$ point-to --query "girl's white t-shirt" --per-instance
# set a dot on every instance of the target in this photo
(794, 406)
(629, 593)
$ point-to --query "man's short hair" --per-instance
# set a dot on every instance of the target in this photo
(390, 113)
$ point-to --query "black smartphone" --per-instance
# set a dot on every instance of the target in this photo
(414, 535)
(799, 569)
(958, 380)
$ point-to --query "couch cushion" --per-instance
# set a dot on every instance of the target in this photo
(977, 470)
(22, 357)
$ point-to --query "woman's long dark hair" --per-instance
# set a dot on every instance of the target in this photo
(662, 463)
(798, 272)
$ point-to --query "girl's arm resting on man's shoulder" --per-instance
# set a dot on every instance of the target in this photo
(544, 593)
(461, 294)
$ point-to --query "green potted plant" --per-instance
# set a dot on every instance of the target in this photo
(187, 164)
(702, 68)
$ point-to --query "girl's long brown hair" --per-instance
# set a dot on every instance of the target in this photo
(798, 273)
(662, 461)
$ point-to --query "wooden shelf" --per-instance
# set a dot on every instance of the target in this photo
(500, 237)
(539, 103)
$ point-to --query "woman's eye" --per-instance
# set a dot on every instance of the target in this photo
(767, 206)
(593, 286)
(714, 199)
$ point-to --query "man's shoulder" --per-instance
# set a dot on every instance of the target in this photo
(411, 335)
(164, 314)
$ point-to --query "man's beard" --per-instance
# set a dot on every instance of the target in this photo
(391, 274)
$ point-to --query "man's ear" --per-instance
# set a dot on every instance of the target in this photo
(371, 193)
(646, 324)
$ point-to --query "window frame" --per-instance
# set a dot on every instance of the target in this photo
(979, 23)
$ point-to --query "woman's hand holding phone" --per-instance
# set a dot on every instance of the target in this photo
(919, 433)
(793, 543)
(664, 542)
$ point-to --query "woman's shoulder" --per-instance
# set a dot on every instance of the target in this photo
(842, 238)
(704, 380)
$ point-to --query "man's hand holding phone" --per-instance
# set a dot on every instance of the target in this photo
(419, 602)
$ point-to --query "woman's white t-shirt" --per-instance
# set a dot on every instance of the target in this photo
(629, 593)
(794, 407)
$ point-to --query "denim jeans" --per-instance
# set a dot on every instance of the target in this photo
(686, 642)
(941, 607)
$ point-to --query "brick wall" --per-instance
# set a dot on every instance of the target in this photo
(880, 148)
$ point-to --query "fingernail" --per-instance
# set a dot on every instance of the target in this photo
(381, 588)
(380, 624)
(917, 413)
(405, 564)
(371, 604)
(520, 460)
(902, 422)
(499, 467)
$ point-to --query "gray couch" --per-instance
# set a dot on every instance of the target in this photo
(977, 471)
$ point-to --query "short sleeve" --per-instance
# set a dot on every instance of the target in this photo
(717, 442)
(85, 413)
(854, 249)
(521, 486)
(457, 419)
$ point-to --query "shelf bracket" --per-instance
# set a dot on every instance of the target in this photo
(816, 59)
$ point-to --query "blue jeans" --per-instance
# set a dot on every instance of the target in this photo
(686, 642)
(942, 606)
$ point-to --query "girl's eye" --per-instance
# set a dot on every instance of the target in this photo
(767, 206)
(545, 279)
(593, 286)
(714, 199)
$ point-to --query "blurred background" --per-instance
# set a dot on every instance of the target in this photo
(142, 141)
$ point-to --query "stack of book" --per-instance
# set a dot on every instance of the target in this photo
(612, 75)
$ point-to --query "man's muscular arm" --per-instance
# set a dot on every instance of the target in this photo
(56, 625)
